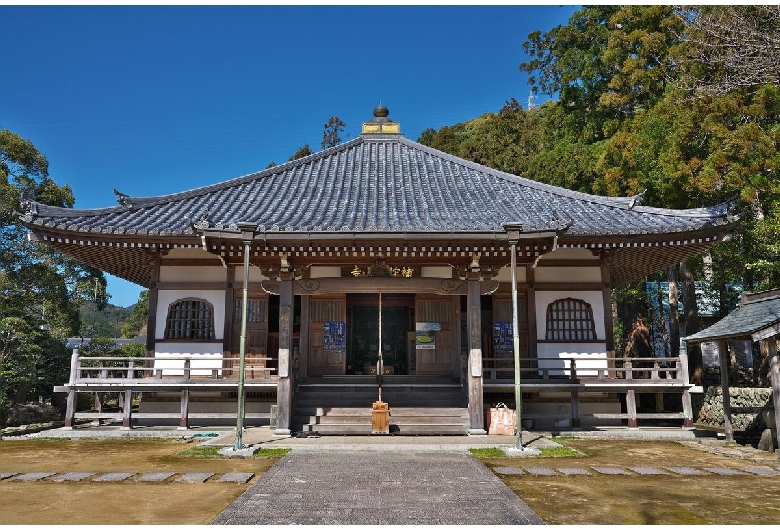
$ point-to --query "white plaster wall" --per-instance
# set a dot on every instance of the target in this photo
(166, 298)
(505, 275)
(192, 274)
(567, 253)
(205, 357)
(254, 275)
(590, 357)
(567, 274)
(324, 272)
(436, 272)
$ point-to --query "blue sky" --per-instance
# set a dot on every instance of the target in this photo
(154, 100)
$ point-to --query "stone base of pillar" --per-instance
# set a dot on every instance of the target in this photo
(477, 432)
(282, 432)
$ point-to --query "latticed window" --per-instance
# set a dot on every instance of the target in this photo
(191, 319)
(570, 319)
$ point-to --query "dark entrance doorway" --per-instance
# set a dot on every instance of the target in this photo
(397, 331)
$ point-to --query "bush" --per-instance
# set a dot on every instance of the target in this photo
(29, 413)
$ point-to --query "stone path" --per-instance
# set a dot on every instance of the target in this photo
(537, 471)
(128, 476)
(243, 478)
(388, 488)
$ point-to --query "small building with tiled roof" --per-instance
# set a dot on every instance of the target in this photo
(380, 223)
(757, 319)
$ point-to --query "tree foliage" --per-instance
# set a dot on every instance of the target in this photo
(729, 48)
(334, 128)
(624, 122)
(304, 150)
(40, 289)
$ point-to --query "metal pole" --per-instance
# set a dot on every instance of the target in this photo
(242, 355)
(516, 347)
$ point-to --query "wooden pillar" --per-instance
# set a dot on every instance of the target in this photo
(606, 296)
(70, 409)
(474, 375)
(774, 372)
(682, 373)
(531, 312)
(631, 409)
(303, 345)
(127, 408)
(575, 409)
(151, 321)
(184, 418)
(70, 405)
(227, 327)
(724, 386)
(284, 385)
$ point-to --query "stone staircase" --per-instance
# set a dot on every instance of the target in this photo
(419, 405)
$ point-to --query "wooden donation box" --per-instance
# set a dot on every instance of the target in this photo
(380, 418)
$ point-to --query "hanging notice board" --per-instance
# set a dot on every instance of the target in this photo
(426, 335)
(335, 337)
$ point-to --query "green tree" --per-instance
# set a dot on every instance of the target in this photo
(40, 289)
(729, 47)
(331, 136)
(135, 324)
(304, 150)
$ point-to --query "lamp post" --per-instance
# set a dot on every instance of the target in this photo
(247, 235)
(513, 234)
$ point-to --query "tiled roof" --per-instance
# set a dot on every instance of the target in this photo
(749, 319)
(379, 183)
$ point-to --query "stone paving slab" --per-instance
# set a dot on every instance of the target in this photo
(241, 478)
(114, 477)
(761, 470)
(7, 474)
(32, 477)
(687, 471)
(73, 476)
(644, 470)
(155, 477)
(569, 471)
(541, 471)
(509, 470)
(195, 477)
(395, 487)
(610, 470)
(725, 471)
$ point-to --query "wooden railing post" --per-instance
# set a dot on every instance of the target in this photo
(573, 369)
(631, 409)
(682, 373)
(127, 408)
(186, 368)
(70, 404)
(184, 419)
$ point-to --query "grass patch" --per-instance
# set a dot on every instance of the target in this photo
(274, 452)
(557, 452)
(201, 451)
(487, 452)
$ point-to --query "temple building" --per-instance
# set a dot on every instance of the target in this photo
(379, 260)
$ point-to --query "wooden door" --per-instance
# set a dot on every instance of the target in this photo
(327, 335)
(256, 324)
(434, 354)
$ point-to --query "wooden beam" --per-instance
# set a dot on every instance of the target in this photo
(367, 284)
